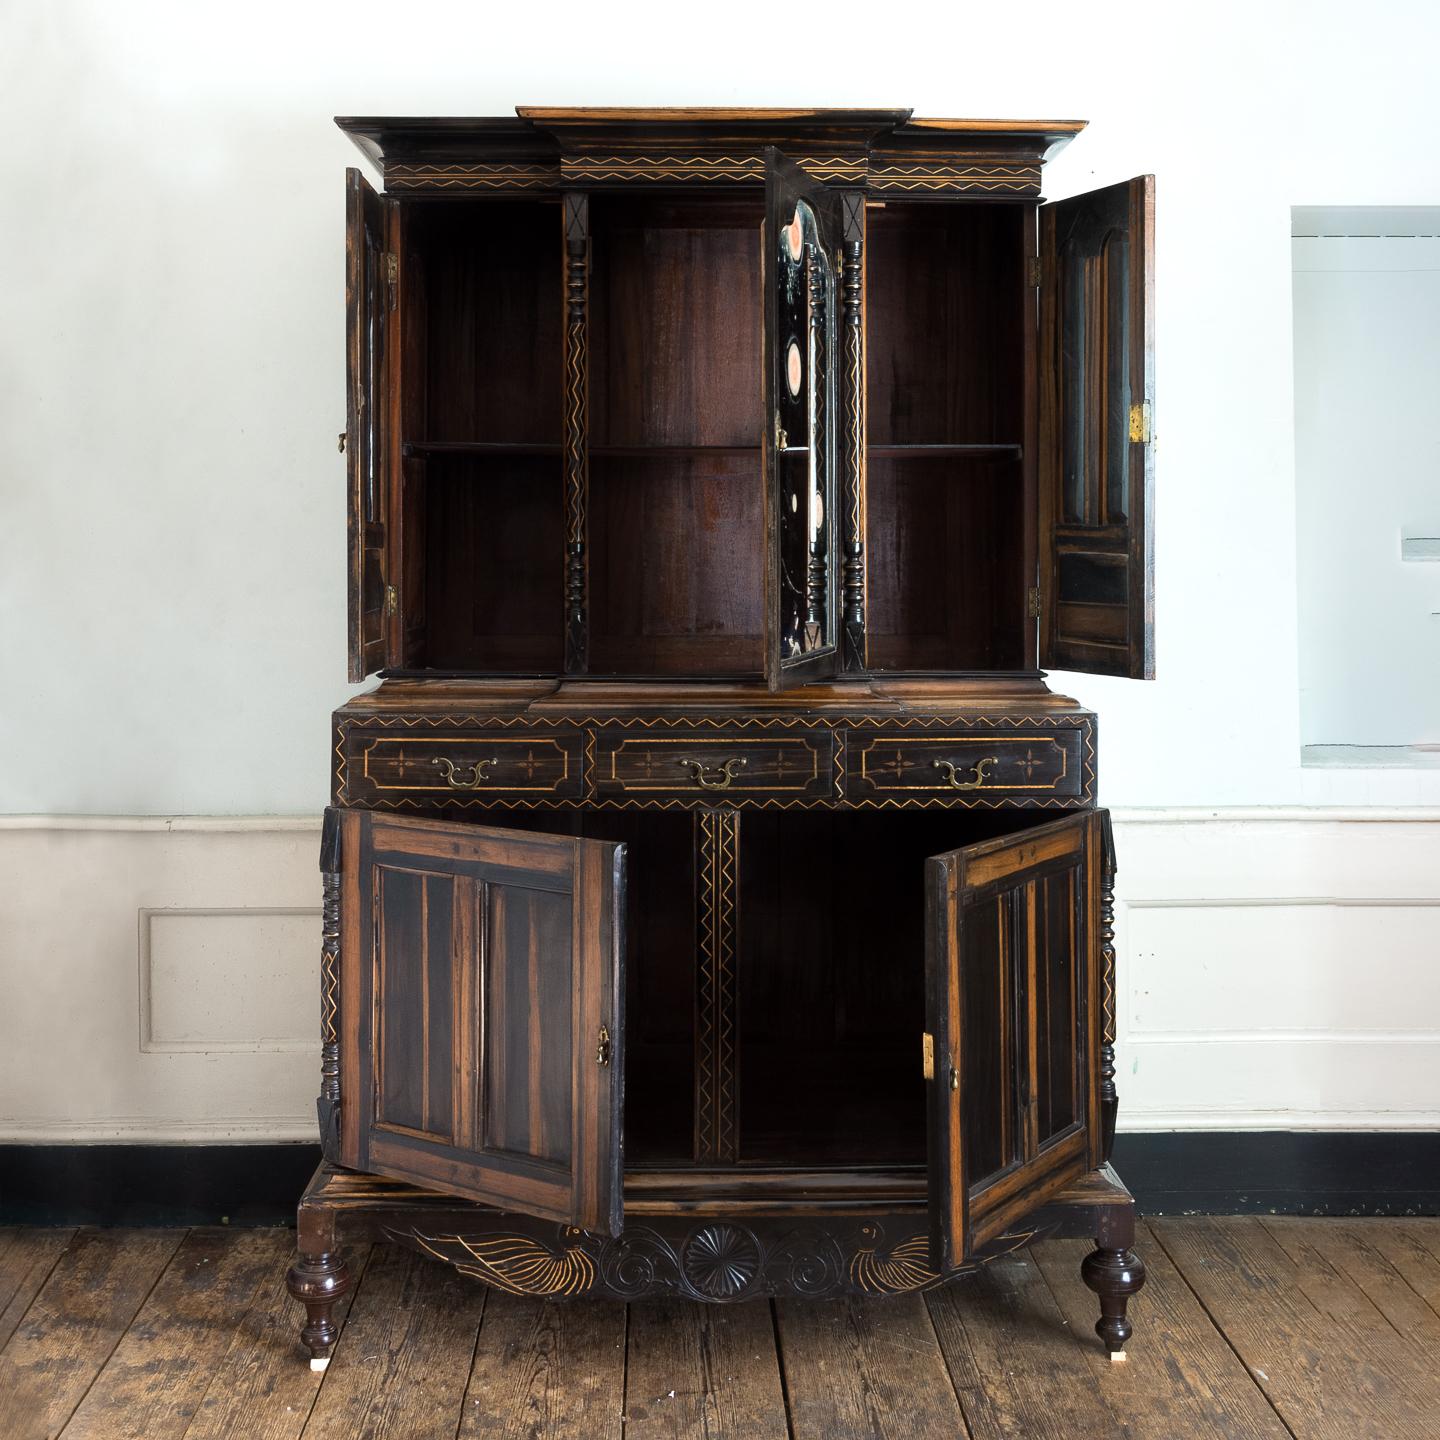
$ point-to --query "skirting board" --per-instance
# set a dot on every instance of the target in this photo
(1200, 1172)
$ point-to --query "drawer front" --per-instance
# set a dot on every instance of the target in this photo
(685, 763)
(421, 768)
(1051, 766)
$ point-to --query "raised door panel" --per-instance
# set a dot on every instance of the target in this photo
(367, 330)
(489, 1030)
(800, 248)
(1097, 393)
(1011, 1015)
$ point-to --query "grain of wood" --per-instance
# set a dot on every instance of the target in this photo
(74, 1324)
(1016, 1364)
(545, 1367)
(264, 1388)
(1181, 1377)
(867, 1368)
(695, 1370)
(1345, 1247)
(152, 1385)
(404, 1356)
(1412, 1246)
(26, 1259)
(1327, 1359)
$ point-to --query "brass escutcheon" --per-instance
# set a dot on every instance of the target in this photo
(479, 773)
(719, 781)
(951, 773)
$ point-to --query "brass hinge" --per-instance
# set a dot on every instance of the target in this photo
(927, 1055)
(392, 599)
(602, 1047)
(1032, 602)
(1033, 272)
(392, 276)
(1140, 423)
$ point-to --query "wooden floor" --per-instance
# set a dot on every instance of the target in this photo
(1248, 1327)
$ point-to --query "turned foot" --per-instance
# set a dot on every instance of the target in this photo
(318, 1282)
(1114, 1275)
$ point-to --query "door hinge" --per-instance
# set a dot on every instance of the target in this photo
(1033, 272)
(927, 1055)
(1032, 603)
(392, 600)
(602, 1047)
(1140, 423)
(392, 276)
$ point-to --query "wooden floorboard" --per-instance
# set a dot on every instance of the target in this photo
(1248, 1329)
(71, 1328)
(694, 1371)
(1181, 1377)
(865, 1368)
(262, 1388)
(544, 1367)
(1329, 1362)
(404, 1357)
(157, 1376)
(26, 1259)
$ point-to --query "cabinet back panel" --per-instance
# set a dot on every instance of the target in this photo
(675, 323)
(484, 286)
(945, 328)
(676, 582)
(494, 543)
(945, 577)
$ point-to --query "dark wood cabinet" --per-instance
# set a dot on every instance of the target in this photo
(715, 898)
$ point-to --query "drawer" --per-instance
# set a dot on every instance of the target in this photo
(766, 764)
(969, 765)
(417, 768)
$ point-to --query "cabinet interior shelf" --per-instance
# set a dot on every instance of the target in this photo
(418, 449)
(943, 452)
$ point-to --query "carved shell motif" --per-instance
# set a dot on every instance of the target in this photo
(720, 1261)
(514, 1262)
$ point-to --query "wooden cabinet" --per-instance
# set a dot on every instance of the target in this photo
(715, 899)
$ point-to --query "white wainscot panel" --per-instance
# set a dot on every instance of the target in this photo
(1279, 970)
(228, 980)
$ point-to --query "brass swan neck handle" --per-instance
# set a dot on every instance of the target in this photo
(981, 769)
(479, 773)
(714, 777)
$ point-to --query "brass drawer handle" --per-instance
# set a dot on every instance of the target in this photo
(952, 774)
(721, 779)
(479, 773)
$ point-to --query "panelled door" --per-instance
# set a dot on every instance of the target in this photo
(1012, 1016)
(481, 1014)
(801, 247)
(367, 330)
(1096, 462)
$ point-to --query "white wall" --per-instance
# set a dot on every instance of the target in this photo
(171, 559)
(1367, 461)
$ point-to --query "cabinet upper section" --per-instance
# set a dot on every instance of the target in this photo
(747, 395)
(548, 149)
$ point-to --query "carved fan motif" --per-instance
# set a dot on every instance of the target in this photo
(516, 1263)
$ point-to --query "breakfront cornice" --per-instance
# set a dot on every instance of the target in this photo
(548, 148)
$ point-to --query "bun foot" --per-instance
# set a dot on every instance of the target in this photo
(318, 1282)
(1114, 1275)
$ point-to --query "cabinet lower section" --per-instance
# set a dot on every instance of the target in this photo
(716, 1259)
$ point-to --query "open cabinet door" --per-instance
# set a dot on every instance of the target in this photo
(481, 1015)
(1096, 464)
(800, 247)
(1012, 1017)
(367, 315)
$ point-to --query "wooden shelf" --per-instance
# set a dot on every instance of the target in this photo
(419, 449)
(671, 452)
(943, 452)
